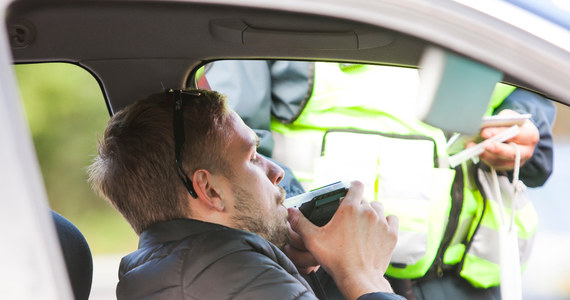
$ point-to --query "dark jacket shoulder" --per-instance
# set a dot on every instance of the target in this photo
(189, 259)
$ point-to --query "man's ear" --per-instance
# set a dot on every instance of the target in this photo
(208, 190)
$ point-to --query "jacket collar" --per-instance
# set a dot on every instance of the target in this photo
(176, 229)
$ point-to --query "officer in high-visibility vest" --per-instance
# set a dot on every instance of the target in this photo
(316, 102)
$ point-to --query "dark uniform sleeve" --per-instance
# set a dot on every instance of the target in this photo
(247, 84)
(381, 296)
(256, 89)
(538, 168)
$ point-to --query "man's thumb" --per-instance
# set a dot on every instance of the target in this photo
(299, 223)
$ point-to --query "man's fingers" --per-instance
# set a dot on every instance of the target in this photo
(393, 222)
(491, 131)
(300, 224)
(502, 156)
(301, 259)
(378, 207)
(528, 135)
(354, 194)
(500, 150)
(295, 240)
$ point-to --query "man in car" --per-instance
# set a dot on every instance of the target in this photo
(183, 170)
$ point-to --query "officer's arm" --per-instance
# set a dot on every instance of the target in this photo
(538, 167)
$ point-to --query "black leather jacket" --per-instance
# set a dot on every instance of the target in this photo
(190, 259)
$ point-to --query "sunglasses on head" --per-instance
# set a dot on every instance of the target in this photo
(179, 97)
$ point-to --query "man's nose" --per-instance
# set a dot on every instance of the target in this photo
(274, 172)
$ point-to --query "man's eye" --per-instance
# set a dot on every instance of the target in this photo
(255, 158)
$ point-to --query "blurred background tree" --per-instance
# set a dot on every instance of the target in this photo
(67, 115)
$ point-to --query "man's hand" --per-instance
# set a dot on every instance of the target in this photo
(501, 156)
(299, 255)
(356, 245)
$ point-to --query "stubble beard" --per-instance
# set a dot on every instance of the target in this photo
(250, 217)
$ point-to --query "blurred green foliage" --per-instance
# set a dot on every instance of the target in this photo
(67, 114)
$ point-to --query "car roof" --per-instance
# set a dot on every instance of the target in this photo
(135, 48)
(548, 9)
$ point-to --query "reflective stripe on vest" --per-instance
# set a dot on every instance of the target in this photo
(483, 253)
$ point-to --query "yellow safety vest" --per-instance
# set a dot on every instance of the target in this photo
(353, 126)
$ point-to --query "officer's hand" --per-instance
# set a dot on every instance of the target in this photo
(501, 156)
(356, 245)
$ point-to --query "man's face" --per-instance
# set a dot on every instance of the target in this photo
(257, 199)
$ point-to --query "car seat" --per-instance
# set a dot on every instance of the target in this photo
(77, 255)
